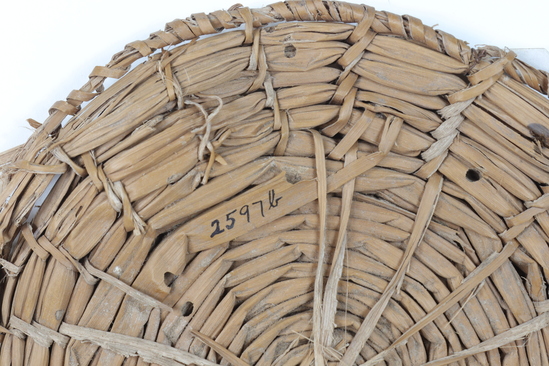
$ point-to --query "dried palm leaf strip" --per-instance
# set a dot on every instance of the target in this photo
(469, 284)
(329, 301)
(150, 351)
(259, 266)
(396, 282)
(256, 264)
(167, 36)
(515, 333)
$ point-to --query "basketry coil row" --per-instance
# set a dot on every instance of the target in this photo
(325, 184)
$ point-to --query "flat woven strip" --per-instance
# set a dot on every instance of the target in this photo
(321, 184)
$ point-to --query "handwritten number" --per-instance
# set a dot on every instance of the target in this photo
(245, 211)
(218, 230)
(231, 220)
(273, 202)
(260, 205)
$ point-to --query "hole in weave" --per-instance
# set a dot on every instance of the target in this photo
(169, 278)
(270, 29)
(290, 51)
(187, 309)
(473, 175)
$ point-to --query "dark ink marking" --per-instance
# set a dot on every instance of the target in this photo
(231, 220)
(261, 205)
(218, 230)
(245, 211)
(273, 202)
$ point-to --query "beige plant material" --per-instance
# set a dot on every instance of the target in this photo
(425, 213)
(326, 184)
(128, 346)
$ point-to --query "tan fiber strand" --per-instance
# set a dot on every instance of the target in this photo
(222, 351)
(474, 279)
(150, 351)
(127, 289)
(312, 182)
(37, 168)
(502, 339)
(12, 268)
(318, 309)
(62, 156)
(425, 213)
(40, 334)
(330, 295)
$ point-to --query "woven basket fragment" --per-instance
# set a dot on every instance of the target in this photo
(326, 184)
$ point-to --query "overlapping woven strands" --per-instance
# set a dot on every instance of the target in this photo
(327, 184)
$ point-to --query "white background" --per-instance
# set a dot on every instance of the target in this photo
(50, 47)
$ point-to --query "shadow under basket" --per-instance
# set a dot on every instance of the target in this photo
(326, 184)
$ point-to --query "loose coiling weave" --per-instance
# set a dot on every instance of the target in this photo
(327, 184)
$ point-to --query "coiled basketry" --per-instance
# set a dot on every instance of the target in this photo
(327, 184)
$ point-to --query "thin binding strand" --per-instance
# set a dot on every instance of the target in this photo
(323, 183)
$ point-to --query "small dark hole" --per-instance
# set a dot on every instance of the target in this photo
(473, 175)
(169, 278)
(290, 51)
(187, 309)
(270, 29)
